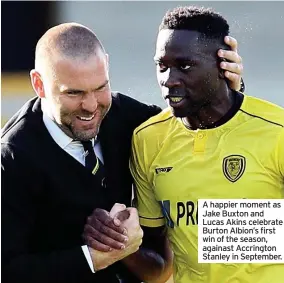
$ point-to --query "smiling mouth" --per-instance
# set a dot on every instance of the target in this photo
(175, 99)
(82, 118)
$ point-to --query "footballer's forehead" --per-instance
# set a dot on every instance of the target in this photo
(182, 45)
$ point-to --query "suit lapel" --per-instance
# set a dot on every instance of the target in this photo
(110, 140)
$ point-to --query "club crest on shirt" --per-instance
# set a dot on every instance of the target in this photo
(234, 167)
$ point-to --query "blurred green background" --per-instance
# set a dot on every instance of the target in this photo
(128, 31)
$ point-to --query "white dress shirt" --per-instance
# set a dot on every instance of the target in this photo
(76, 150)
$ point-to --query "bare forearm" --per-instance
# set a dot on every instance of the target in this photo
(102, 260)
(149, 266)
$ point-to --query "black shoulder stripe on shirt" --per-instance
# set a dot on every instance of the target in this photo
(153, 124)
(277, 124)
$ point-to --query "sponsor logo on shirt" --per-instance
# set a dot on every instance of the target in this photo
(163, 170)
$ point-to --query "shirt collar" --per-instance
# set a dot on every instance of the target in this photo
(56, 133)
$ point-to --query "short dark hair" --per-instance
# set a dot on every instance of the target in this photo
(78, 41)
(69, 39)
(204, 20)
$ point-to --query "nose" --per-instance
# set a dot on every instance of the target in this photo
(171, 78)
(90, 102)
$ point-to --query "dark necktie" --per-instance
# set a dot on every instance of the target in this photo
(92, 162)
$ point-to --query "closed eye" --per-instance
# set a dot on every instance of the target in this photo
(74, 92)
(102, 88)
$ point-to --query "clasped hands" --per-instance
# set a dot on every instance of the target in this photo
(112, 236)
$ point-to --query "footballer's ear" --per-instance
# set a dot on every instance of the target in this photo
(37, 83)
(221, 71)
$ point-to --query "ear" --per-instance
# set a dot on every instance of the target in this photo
(221, 71)
(37, 83)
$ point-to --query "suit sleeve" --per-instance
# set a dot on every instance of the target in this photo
(149, 209)
(20, 197)
(137, 112)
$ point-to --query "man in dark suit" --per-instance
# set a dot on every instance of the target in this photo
(64, 154)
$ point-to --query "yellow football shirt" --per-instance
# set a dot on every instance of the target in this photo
(173, 167)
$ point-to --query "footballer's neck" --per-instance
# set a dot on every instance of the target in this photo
(211, 114)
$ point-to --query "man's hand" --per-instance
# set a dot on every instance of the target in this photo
(103, 230)
(233, 67)
(130, 219)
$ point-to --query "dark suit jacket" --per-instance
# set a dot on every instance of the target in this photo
(47, 195)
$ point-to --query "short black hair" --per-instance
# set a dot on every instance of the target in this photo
(204, 20)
